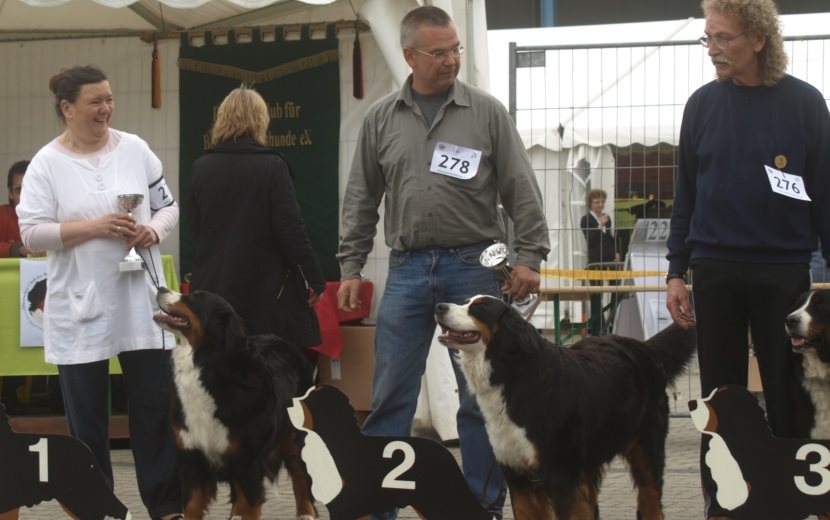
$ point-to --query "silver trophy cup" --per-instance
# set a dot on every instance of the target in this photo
(495, 258)
(128, 202)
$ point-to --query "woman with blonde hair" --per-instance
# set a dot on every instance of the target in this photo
(250, 242)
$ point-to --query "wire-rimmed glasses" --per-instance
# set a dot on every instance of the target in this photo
(721, 42)
(442, 54)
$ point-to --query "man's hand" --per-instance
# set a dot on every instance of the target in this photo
(677, 302)
(523, 281)
(348, 295)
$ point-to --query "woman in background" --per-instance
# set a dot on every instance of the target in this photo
(93, 310)
(250, 242)
(596, 226)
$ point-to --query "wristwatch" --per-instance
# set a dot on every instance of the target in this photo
(672, 276)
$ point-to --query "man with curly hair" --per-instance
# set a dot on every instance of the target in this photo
(750, 203)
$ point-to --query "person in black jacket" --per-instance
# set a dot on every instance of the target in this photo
(250, 241)
(602, 255)
(596, 226)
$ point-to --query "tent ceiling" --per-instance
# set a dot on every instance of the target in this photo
(36, 19)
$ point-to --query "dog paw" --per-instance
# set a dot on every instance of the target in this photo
(306, 517)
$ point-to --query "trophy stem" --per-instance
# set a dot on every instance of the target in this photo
(131, 262)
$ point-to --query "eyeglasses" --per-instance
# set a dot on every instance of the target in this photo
(442, 55)
(721, 42)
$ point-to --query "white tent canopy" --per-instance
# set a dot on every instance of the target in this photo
(612, 92)
(42, 19)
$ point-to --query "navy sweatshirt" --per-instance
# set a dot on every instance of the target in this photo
(724, 207)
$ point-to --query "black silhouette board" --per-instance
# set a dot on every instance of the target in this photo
(35, 468)
(355, 474)
(758, 476)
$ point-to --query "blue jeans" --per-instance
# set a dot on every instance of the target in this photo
(418, 280)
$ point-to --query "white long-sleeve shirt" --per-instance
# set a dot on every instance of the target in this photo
(93, 310)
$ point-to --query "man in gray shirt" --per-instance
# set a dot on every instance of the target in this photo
(443, 154)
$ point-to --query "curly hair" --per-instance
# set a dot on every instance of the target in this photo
(596, 193)
(758, 17)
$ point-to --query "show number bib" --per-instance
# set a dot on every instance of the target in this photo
(455, 161)
(786, 184)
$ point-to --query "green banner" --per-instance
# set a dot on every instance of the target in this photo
(300, 81)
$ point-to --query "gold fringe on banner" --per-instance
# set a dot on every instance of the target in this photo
(255, 78)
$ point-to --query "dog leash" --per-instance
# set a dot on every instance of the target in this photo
(155, 278)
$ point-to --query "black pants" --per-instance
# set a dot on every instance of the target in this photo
(147, 376)
(729, 299)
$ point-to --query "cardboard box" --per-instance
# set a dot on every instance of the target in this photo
(754, 376)
(352, 372)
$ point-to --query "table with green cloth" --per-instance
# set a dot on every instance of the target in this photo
(28, 361)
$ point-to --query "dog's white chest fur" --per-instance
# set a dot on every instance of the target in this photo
(204, 431)
(817, 384)
(509, 440)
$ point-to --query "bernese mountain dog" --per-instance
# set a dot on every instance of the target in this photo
(38, 467)
(556, 416)
(809, 329)
(758, 476)
(356, 474)
(230, 406)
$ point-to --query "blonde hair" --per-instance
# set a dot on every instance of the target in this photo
(242, 112)
(758, 17)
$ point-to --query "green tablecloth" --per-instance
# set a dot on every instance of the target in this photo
(23, 361)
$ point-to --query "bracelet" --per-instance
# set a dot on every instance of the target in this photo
(672, 276)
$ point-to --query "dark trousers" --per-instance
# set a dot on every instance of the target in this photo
(730, 299)
(147, 377)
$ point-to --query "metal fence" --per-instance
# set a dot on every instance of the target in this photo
(608, 117)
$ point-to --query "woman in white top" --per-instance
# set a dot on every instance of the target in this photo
(94, 311)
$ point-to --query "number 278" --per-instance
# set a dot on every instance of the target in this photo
(445, 159)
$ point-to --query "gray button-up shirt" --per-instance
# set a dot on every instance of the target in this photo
(425, 209)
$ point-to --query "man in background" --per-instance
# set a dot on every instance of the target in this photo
(10, 243)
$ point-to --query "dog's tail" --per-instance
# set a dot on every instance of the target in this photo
(674, 347)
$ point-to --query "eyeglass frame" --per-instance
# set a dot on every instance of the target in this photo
(707, 40)
(442, 54)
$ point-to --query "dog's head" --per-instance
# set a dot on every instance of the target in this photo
(809, 324)
(482, 322)
(730, 408)
(325, 410)
(197, 316)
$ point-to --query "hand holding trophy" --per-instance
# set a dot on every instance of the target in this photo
(128, 202)
(495, 258)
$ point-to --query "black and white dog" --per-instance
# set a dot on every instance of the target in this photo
(809, 330)
(557, 415)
